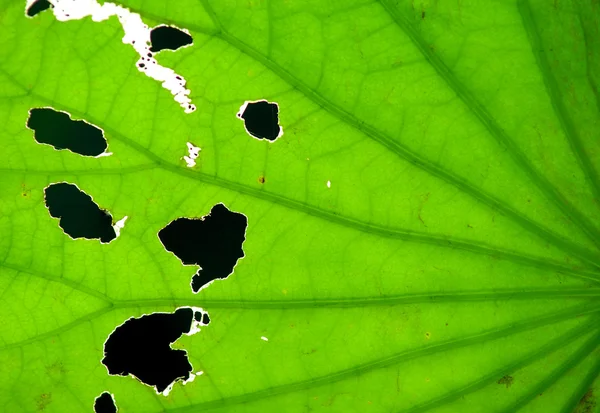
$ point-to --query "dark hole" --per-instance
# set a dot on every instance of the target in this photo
(141, 347)
(213, 242)
(261, 120)
(59, 130)
(202, 318)
(79, 216)
(38, 6)
(167, 37)
(105, 404)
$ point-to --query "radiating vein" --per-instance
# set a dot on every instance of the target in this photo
(556, 99)
(400, 150)
(585, 386)
(369, 228)
(361, 302)
(61, 280)
(584, 351)
(395, 359)
(488, 121)
(492, 377)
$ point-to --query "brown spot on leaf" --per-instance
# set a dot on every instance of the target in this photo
(261, 179)
(43, 401)
(587, 404)
(507, 380)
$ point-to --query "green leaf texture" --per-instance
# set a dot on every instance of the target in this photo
(452, 264)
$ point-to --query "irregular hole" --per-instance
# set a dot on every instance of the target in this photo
(261, 119)
(105, 403)
(141, 347)
(56, 128)
(167, 37)
(213, 242)
(193, 153)
(36, 7)
(137, 34)
(79, 215)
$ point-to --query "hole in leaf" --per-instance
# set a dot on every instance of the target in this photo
(213, 242)
(202, 318)
(167, 37)
(141, 347)
(105, 403)
(37, 6)
(55, 128)
(79, 215)
(261, 119)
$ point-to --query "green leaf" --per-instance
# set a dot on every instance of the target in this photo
(424, 236)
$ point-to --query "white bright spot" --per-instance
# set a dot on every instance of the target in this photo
(328, 184)
(264, 338)
(194, 151)
(137, 34)
(119, 225)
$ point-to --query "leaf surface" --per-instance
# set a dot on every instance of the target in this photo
(423, 237)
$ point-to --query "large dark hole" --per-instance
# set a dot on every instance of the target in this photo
(261, 119)
(38, 6)
(79, 216)
(142, 347)
(213, 242)
(105, 404)
(59, 130)
(167, 37)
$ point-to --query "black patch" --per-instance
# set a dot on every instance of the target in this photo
(205, 319)
(105, 404)
(213, 242)
(37, 7)
(142, 347)
(59, 130)
(261, 120)
(79, 216)
(202, 318)
(167, 37)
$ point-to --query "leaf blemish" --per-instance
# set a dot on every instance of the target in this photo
(261, 119)
(105, 403)
(506, 380)
(141, 347)
(59, 130)
(169, 38)
(79, 216)
(213, 242)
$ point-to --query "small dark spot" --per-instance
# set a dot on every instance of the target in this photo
(43, 401)
(446, 324)
(423, 14)
(213, 242)
(261, 119)
(79, 216)
(167, 37)
(507, 380)
(142, 347)
(56, 128)
(142, 65)
(105, 404)
(261, 179)
(37, 7)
